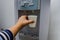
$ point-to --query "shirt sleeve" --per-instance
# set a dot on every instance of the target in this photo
(6, 35)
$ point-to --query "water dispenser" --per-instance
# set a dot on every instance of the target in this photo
(31, 8)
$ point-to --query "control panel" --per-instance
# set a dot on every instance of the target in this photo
(31, 8)
(28, 4)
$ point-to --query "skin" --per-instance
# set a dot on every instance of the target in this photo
(23, 21)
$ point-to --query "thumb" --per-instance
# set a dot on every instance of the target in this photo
(30, 21)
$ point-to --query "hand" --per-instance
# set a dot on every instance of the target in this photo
(24, 21)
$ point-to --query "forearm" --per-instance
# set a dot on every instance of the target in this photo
(15, 29)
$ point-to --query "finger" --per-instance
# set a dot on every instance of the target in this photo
(26, 17)
(30, 21)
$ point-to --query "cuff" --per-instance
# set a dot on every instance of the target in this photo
(9, 33)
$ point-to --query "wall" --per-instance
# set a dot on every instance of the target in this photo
(54, 30)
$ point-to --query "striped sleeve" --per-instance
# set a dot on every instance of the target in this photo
(6, 35)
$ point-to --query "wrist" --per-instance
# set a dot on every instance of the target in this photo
(18, 24)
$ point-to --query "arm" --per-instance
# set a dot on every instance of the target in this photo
(10, 33)
(19, 25)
